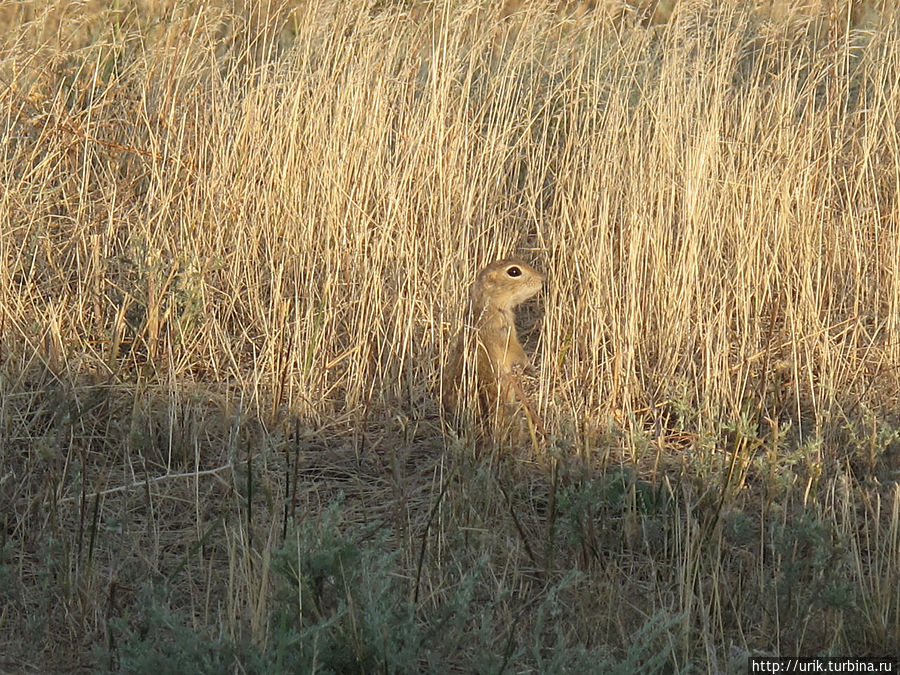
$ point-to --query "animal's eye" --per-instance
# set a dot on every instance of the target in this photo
(514, 271)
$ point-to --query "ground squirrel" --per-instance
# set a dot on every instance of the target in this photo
(499, 359)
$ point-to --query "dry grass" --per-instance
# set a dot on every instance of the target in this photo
(235, 243)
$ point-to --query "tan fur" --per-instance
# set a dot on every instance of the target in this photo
(493, 350)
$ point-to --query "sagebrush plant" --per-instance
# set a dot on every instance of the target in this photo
(236, 242)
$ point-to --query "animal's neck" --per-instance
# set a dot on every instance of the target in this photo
(491, 313)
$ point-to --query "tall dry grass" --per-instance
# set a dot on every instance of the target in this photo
(234, 236)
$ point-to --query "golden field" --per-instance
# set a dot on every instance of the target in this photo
(236, 241)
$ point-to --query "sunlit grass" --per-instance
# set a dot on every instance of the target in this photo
(235, 244)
